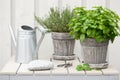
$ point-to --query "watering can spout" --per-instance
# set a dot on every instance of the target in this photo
(13, 35)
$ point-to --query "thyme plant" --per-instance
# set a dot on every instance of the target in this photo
(56, 21)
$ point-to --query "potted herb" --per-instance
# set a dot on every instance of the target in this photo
(94, 28)
(57, 21)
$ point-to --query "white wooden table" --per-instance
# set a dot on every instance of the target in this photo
(16, 71)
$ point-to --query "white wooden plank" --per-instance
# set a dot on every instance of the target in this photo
(45, 5)
(63, 78)
(115, 6)
(12, 23)
(112, 77)
(59, 78)
(98, 77)
(24, 77)
(23, 70)
(10, 67)
(93, 78)
(5, 42)
(110, 71)
(107, 3)
(44, 72)
(94, 72)
(83, 3)
(76, 77)
(3, 77)
(60, 2)
(71, 3)
(24, 13)
(72, 70)
(59, 70)
(41, 77)
(91, 3)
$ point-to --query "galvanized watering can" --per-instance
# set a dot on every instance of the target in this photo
(25, 43)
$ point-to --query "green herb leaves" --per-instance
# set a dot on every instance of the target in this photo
(82, 37)
(98, 23)
(56, 21)
(83, 67)
(79, 68)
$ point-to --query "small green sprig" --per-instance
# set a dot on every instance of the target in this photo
(82, 67)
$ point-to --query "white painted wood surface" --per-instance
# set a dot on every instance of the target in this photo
(72, 70)
(4, 77)
(23, 70)
(60, 70)
(91, 3)
(19, 19)
(29, 77)
(5, 40)
(10, 68)
(16, 71)
(62, 78)
(42, 73)
(110, 71)
(24, 13)
(94, 72)
(71, 3)
(43, 6)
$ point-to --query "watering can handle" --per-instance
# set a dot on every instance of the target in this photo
(43, 31)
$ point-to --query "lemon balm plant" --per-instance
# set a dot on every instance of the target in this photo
(98, 23)
(94, 28)
(57, 22)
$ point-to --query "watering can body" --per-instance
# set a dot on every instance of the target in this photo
(26, 44)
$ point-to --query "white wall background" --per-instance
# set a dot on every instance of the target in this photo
(5, 50)
(19, 12)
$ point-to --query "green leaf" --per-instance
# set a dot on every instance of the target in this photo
(86, 67)
(106, 31)
(83, 30)
(89, 31)
(100, 39)
(82, 37)
(112, 37)
(101, 27)
(77, 29)
(93, 26)
(93, 33)
(79, 68)
(115, 32)
(112, 24)
(85, 27)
